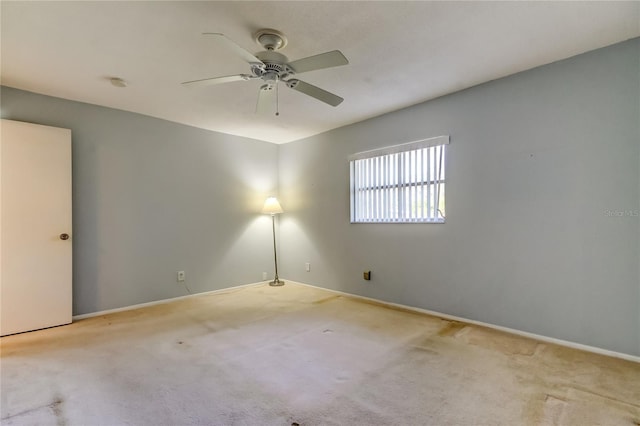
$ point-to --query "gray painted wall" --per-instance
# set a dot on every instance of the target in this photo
(151, 197)
(535, 163)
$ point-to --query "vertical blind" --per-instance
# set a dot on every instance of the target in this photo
(400, 183)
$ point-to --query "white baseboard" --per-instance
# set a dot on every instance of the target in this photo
(160, 302)
(546, 339)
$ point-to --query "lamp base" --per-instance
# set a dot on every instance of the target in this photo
(276, 283)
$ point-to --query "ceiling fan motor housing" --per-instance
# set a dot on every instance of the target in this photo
(274, 66)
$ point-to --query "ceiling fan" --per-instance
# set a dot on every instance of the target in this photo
(272, 67)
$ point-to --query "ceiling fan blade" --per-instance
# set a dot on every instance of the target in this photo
(315, 92)
(265, 99)
(218, 80)
(233, 47)
(324, 60)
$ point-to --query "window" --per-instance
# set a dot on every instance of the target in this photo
(401, 183)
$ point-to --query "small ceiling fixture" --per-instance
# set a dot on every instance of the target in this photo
(118, 82)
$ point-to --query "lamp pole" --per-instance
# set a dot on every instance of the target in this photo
(276, 281)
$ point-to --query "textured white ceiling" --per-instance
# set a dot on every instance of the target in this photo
(401, 53)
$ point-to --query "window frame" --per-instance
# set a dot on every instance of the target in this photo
(401, 183)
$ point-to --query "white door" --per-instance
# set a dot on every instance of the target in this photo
(35, 227)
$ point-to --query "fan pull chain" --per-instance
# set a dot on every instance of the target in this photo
(277, 100)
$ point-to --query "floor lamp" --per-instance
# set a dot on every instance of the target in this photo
(272, 207)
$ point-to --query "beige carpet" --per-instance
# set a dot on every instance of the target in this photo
(278, 356)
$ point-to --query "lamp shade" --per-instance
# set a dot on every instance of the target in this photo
(272, 206)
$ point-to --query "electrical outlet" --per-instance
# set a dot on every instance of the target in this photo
(307, 267)
(264, 276)
(367, 275)
(181, 276)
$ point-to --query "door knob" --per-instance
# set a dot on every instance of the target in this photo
(64, 236)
